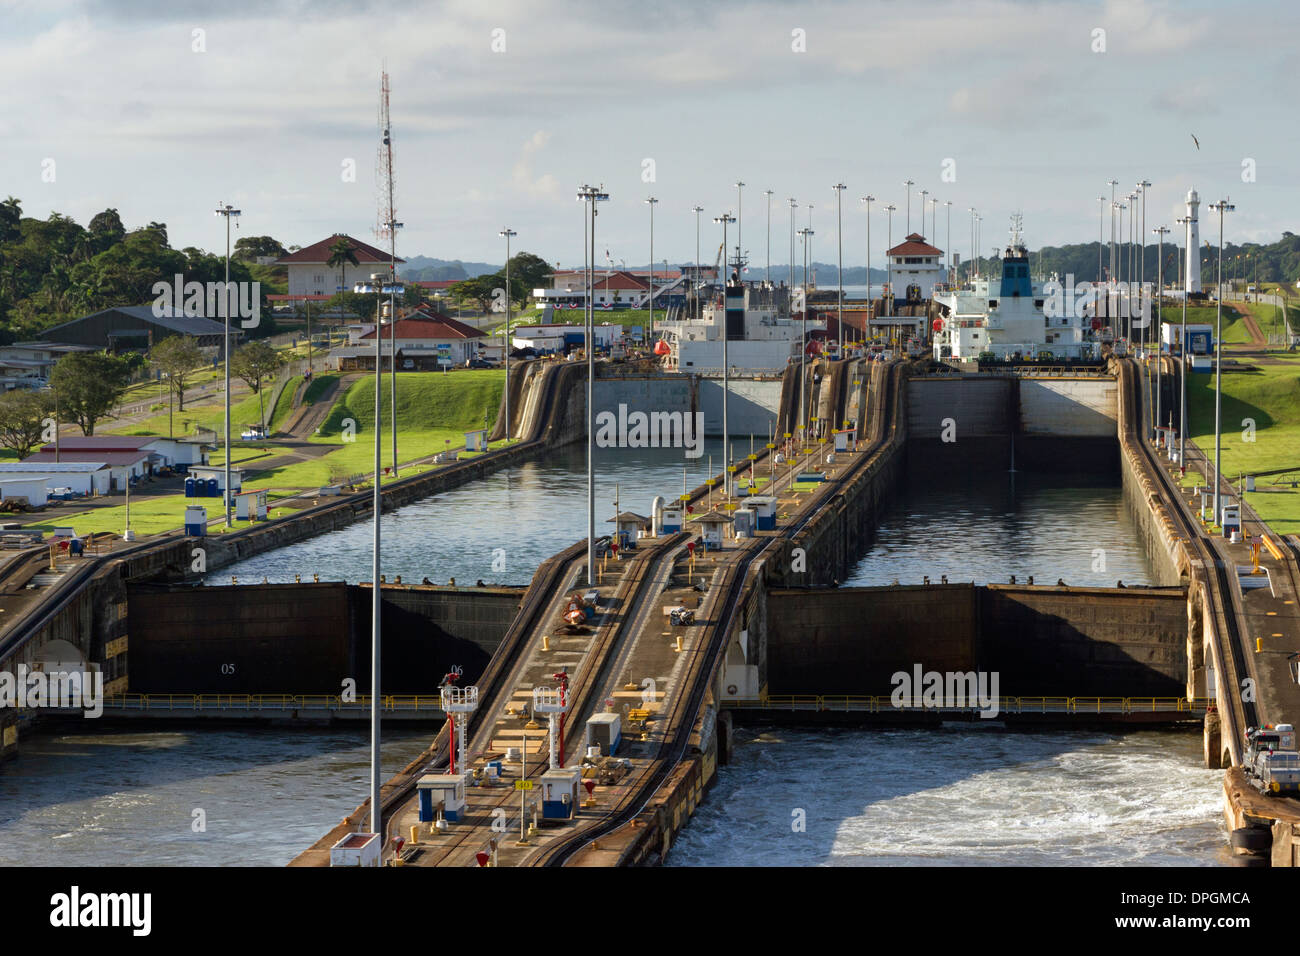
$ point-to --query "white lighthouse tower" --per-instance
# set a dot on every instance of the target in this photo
(1193, 269)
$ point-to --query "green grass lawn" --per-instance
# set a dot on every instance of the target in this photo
(1270, 397)
(155, 516)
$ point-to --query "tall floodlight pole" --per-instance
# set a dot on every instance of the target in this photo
(651, 203)
(224, 209)
(740, 189)
(809, 281)
(803, 340)
(1110, 273)
(1143, 186)
(697, 210)
(793, 205)
(1220, 207)
(507, 234)
(1160, 232)
(866, 327)
(923, 193)
(949, 275)
(888, 292)
(724, 219)
(768, 194)
(970, 266)
(592, 195)
(839, 239)
(1101, 219)
(390, 225)
(934, 219)
(907, 191)
(1186, 222)
(378, 287)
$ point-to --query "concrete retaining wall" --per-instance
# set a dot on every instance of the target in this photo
(1042, 641)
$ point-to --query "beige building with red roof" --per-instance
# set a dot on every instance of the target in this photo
(311, 276)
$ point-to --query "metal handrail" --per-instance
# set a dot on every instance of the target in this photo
(225, 702)
(1010, 705)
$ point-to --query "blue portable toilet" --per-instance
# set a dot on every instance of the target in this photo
(189, 487)
(764, 508)
(213, 490)
(196, 521)
(560, 793)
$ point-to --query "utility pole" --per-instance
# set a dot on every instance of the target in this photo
(697, 210)
(726, 218)
(740, 188)
(1110, 274)
(651, 203)
(907, 190)
(948, 274)
(867, 201)
(1186, 222)
(888, 292)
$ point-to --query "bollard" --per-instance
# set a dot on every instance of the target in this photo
(316, 578)
(415, 834)
(1259, 645)
(678, 648)
(546, 642)
(297, 579)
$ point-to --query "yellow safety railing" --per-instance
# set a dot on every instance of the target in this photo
(315, 702)
(1005, 705)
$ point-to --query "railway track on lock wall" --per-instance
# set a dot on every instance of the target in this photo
(1223, 600)
(706, 654)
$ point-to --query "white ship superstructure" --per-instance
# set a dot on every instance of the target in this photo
(1009, 317)
(755, 317)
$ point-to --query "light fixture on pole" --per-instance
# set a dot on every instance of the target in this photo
(793, 205)
(1101, 218)
(803, 342)
(740, 189)
(377, 286)
(592, 195)
(1220, 207)
(907, 191)
(888, 292)
(724, 219)
(507, 234)
(392, 228)
(697, 210)
(225, 209)
(970, 266)
(948, 273)
(809, 281)
(1160, 232)
(768, 194)
(1187, 222)
(651, 203)
(867, 201)
(923, 193)
(839, 242)
(1143, 186)
(1110, 272)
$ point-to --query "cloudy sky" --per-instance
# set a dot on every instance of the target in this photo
(162, 108)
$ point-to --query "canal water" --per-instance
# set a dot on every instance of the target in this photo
(952, 796)
(498, 529)
(959, 796)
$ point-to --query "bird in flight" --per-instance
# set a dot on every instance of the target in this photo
(1196, 141)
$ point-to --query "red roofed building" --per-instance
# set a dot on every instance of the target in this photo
(310, 274)
(915, 268)
(426, 339)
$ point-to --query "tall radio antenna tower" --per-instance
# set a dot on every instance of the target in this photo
(388, 226)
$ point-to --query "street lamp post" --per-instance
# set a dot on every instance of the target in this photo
(1143, 186)
(1220, 207)
(803, 341)
(651, 203)
(507, 234)
(592, 195)
(726, 218)
(868, 200)
(1160, 232)
(1111, 271)
(740, 189)
(697, 210)
(225, 209)
(907, 191)
(768, 194)
(1186, 222)
(1101, 218)
(809, 280)
(948, 274)
(839, 234)
(793, 206)
(888, 292)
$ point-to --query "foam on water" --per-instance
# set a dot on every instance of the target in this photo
(959, 796)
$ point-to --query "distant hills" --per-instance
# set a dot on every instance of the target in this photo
(426, 269)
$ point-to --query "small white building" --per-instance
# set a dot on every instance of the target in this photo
(915, 264)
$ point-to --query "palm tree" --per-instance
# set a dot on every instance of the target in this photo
(341, 253)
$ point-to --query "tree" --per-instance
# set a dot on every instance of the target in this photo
(480, 289)
(88, 385)
(177, 356)
(23, 414)
(106, 230)
(253, 363)
(341, 253)
(248, 248)
(11, 215)
(532, 270)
